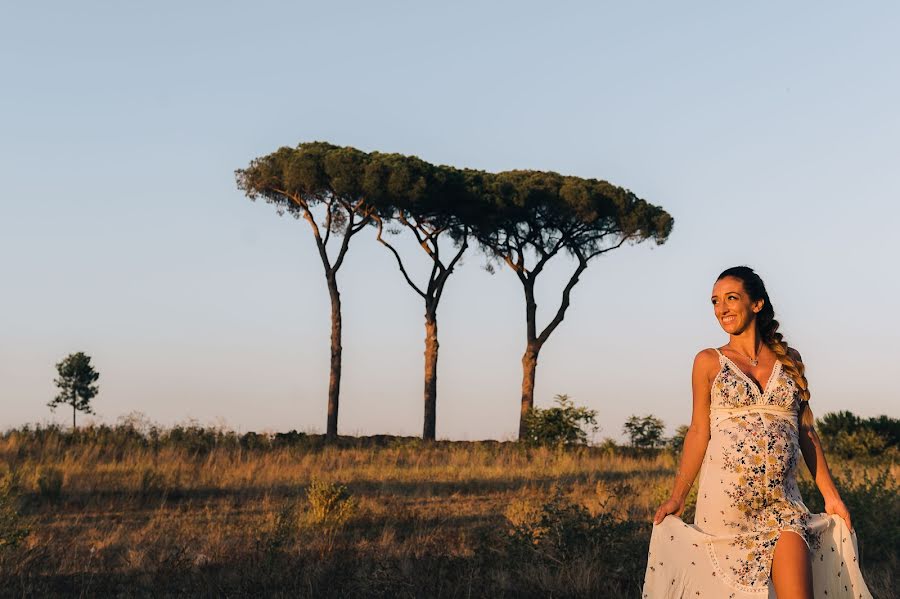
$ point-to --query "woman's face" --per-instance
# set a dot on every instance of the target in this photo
(732, 305)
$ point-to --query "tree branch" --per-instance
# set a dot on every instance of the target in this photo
(564, 304)
(396, 255)
(604, 250)
(307, 214)
(446, 272)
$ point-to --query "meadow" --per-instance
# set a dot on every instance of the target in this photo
(197, 511)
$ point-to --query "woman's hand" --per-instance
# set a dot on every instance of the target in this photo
(671, 506)
(836, 506)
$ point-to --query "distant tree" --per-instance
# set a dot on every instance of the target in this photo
(321, 179)
(885, 427)
(677, 441)
(848, 435)
(76, 384)
(832, 423)
(534, 216)
(433, 203)
(644, 431)
(561, 425)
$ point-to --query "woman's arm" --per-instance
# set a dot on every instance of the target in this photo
(814, 456)
(697, 437)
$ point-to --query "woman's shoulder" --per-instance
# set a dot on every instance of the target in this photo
(708, 354)
(707, 359)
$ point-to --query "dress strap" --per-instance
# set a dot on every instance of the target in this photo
(721, 355)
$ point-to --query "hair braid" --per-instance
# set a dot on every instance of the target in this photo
(768, 330)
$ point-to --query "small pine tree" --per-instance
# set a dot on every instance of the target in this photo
(561, 425)
(644, 432)
(76, 384)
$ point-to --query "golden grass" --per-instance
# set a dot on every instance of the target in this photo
(426, 520)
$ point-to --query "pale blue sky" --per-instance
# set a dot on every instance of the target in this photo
(769, 131)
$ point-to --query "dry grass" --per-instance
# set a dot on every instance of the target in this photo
(426, 520)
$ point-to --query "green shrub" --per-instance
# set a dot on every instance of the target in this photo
(676, 443)
(645, 432)
(874, 505)
(50, 482)
(563, 539)
(860, 443)
(846, 434)
(330, 508)
(562, 425)
(330, 504)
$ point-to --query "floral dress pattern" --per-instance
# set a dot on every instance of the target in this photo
(747, 497)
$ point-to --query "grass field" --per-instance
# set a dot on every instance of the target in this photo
(199, 512)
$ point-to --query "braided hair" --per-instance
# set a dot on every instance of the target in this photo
(767, 327)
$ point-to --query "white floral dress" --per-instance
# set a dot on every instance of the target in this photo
(747, 496)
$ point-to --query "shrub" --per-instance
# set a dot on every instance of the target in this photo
(562, 425)
(608, 446)
(644, 432)
(551, 544)
(330, 508)
(330, 504)
(676, 443)
(860, 443)
(846, 434)
(874, 505)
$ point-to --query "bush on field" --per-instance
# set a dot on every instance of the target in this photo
(676, 443)
(563, 537)
(874, 505)
(645, 432)
(848, 435)
(330, 508)
(561, 425)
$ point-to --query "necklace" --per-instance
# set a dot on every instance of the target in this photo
(754, 362)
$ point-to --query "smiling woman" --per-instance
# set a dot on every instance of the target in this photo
(752, 533)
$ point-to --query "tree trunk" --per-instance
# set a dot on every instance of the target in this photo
(73, 416)
(431, 358)
(334, 383)
(529, 369)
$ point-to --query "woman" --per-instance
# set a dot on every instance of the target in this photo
(752, 535)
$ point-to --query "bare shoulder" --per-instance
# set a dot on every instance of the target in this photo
(793, 353)
(707, 362)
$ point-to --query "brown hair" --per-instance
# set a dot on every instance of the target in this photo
(768, 330)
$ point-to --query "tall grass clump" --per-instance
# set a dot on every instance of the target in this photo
(560, 544)
(50, 482)
(12, 525)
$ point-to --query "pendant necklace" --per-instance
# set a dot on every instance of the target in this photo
(752, 361)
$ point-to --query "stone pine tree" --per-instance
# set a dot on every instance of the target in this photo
(434, 204)
(76, 383)
(322, 184)
(535, 216)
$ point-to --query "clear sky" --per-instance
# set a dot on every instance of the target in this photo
(770, 131)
